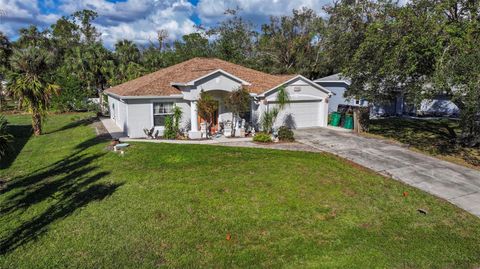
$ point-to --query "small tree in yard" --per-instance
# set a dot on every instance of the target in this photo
(206, 107)
(238, 101)
(270, 116)
(172, 124)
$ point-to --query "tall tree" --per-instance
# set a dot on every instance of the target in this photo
(287, 43)
(192, 45)
(33, 37)
(85, 19)
(30, 79)
(236, 39)
(127, 56)
(65, 35)
(5, 53)
(344, 31)
(126, 51)
(422, 50)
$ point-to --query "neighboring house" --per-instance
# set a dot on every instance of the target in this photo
(338, 85)
(146, 101)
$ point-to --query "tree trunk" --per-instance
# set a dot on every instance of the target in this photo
(20, 103)
(101, 100)
(361, 117)
(1, 96)
(469, 123)
(37, 122)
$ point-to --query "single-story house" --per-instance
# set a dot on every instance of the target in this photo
(146, 101)
(338, 85)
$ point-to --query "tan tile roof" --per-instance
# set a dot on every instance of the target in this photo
(159, 83)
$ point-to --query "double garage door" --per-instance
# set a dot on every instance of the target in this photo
(301, 114)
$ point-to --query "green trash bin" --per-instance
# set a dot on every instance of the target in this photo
(348, 122)
(335, 119)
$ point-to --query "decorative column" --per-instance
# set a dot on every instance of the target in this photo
(193, 116)
(194, 132)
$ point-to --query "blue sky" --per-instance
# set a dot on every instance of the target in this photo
(139, 20)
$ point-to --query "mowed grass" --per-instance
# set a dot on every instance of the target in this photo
(66, 201)
(437, 137)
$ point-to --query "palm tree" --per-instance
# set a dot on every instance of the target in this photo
(30, 80)
(5, 137)
(269, 116)
(5, 52)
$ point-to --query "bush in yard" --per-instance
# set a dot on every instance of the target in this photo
(262, 138)
(169, 132)
(268, 119)
(172, 124)
(270, 115)
(285, 134)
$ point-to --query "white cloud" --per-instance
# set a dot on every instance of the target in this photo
(137, 20)
(259, 11)
(23, 12)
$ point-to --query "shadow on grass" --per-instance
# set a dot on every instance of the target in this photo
(63, 187)
(75, 124)
(21, 135)
(434, 136)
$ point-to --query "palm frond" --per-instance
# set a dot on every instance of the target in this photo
(5, 137)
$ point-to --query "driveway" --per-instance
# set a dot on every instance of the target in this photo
(457, 184)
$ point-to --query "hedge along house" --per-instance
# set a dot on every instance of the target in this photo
(146, 101)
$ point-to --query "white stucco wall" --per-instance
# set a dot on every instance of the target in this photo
(136, 114)
(215, 82)
(118, 112)
(303, 96)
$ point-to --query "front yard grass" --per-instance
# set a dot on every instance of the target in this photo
(436, 137)
(66, 201)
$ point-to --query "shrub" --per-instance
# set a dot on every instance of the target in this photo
(169, 132)
(268, 119)
(262, 138)
(285, 134)
(177, 117)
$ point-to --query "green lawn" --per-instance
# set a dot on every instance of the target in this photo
(436, 137)
(66, 201)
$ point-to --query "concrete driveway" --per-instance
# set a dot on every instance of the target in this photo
(457, 184)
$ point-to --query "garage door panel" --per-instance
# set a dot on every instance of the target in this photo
(300, 114)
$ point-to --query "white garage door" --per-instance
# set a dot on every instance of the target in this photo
(300, 114)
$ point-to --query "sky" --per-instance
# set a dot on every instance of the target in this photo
(139, 20)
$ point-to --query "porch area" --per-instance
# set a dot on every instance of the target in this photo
(223, 124)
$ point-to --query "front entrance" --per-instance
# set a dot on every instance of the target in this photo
(215, 126)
